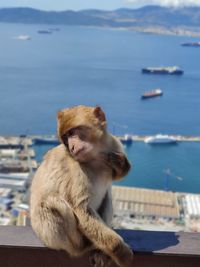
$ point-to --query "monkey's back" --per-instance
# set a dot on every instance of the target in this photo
(51, 176)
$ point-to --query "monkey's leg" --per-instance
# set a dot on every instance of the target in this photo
(56, 225)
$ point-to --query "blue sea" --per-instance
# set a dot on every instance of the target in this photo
(94, 66)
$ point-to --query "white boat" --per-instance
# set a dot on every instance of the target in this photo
(23, 37)
(160, 139)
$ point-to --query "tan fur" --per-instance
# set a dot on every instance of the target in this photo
(71, 206)
(67, 119)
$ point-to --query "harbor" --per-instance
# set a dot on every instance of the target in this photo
(134, 207)
(179, 138)
(17, 166)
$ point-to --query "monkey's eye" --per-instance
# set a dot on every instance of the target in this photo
(71, 132)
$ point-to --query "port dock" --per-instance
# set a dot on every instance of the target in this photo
(17, 167)
(179, 138)
(51, 139)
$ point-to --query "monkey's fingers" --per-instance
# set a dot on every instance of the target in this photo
(99, 259)
(116, 157)
(124, 256)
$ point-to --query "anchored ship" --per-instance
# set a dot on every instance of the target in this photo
(44, 32)
(193, 44)
(23, 37)
(153, 93)
(163, 70)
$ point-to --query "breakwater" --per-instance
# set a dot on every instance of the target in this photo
(179, 138)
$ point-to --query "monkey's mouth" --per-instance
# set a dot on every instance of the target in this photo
(82, 155)
(78, 152)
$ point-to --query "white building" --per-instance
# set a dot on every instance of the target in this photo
(192, 206)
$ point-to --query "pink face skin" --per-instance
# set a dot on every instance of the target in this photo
(79, 145)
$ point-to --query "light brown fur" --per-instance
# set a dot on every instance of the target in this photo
(71, 206)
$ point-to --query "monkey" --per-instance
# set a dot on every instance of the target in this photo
(70, 200)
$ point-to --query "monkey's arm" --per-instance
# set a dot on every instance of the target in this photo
(106, 209)
(118, 162)
(102, 236)
(115, 158)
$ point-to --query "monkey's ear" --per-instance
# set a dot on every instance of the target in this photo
(60, 115)
(99, 114)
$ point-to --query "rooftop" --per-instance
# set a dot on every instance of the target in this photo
(145, 202)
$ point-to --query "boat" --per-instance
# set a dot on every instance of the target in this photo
(193, 44)
(44, 32)
(152, 93)
(160, 139)
(126, 139)
(52, 140)
(163, 70)
(23, 37)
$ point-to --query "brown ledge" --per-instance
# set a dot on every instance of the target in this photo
(19, 247)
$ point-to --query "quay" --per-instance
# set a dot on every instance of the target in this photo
(17, 165)
(179, 138)
(134, 208)
(126, 138)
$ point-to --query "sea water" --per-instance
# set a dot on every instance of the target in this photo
(94, 66)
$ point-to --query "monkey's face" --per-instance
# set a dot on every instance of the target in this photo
(82, 144)
(82, 129)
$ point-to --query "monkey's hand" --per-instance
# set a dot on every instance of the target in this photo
(123, 255)
(119, 164)
(102, 236)
(99, 259)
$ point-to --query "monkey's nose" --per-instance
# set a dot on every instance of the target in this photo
(72, 149)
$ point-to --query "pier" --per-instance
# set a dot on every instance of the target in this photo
(179, 138)
(52, 139)
(134, 207)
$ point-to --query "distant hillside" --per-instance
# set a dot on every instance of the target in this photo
(152, 19)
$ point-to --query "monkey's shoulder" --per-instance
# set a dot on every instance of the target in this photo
(53, 169)
(58, 152)
(56, 156)
(55, 161)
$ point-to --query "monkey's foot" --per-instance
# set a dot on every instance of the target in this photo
(99, 259)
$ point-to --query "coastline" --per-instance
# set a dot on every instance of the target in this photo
(177, 31)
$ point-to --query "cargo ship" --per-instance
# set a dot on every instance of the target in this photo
(193, 44)
(152, 93)
(44, 32)
(163, 70)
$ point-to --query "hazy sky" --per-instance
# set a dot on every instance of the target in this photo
(84, 4)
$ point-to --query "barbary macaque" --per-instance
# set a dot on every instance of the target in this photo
(70, 204)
